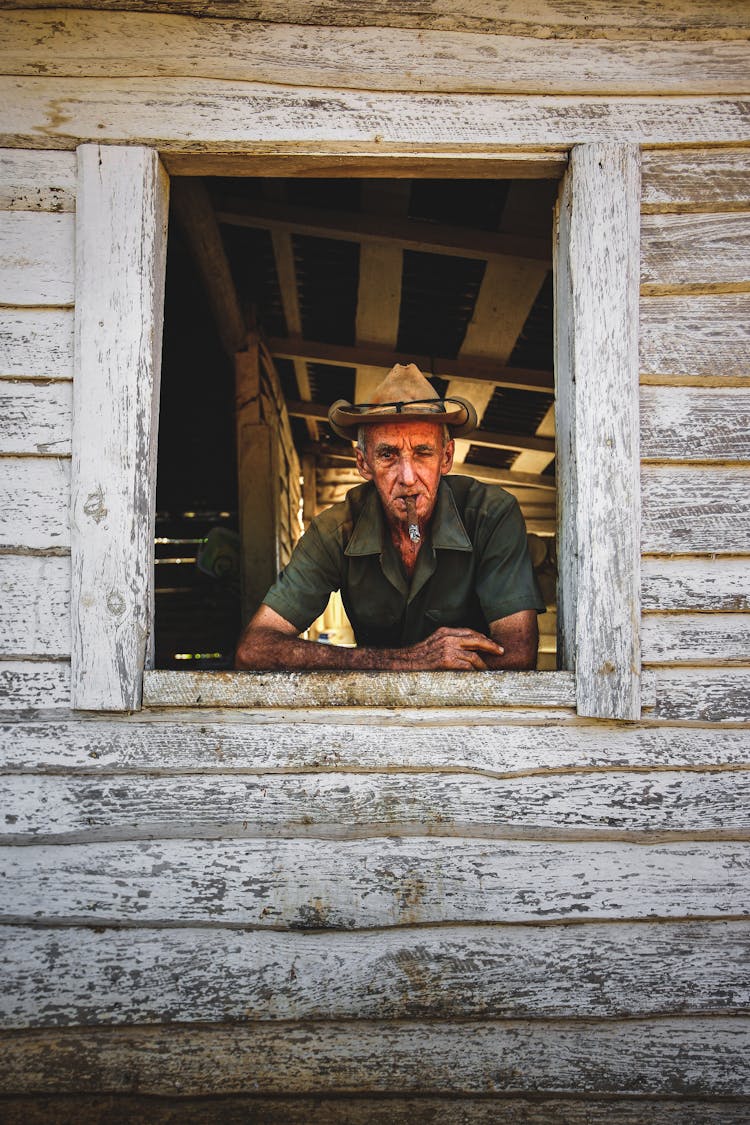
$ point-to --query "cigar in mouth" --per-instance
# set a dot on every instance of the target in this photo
(411, 518)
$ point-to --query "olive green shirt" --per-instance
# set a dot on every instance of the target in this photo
(473, 566)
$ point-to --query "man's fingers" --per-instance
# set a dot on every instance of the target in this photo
(477, 641)
(469, 638)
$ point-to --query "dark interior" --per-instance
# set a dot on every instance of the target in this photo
(197, 612)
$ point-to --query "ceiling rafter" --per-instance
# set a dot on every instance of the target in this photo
(409, 234)
(381, 269)
(467, 367)
(286, 274)
(195, 214)
(506, 296)
(488, 438)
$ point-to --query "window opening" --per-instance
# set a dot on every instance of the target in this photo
(334, 280)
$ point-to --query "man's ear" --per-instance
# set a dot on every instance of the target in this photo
(448, 452)
(362, 467)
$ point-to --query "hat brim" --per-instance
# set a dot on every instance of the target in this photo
(459, 416)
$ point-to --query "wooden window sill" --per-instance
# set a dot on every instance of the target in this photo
(365, 689)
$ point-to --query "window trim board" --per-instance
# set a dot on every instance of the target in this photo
(597, 281)
(121, 235)
(168, 688)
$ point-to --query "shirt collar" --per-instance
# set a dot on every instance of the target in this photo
(448, 531)
(367, 536)
(446, 526)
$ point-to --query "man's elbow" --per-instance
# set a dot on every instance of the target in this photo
(250, 654)
(262, 650)
(243, 656)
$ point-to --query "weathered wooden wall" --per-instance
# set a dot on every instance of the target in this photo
(487, 914)
(695, 422)
(37, 280)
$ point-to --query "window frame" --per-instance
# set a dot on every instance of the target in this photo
(121, 227)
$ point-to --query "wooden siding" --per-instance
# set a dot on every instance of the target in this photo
(376, 915)
(37, 193)
(704, 1056)
(369, 1109)
(694, 431)
(664, 19)
(459, 971)
(244, 119)
(92, 44)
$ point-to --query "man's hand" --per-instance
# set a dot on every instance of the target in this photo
(271, 643)
(450, 650)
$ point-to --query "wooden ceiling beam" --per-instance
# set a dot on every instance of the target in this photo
(195, 214)
(381, 268)
(497, 440)
(488, 438)
(505, 477)
(409, 234)
(536, 461)
(506, 296)
(478, 369)
(286, 273)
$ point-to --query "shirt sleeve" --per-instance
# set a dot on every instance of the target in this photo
(301, 592)
(505, 577)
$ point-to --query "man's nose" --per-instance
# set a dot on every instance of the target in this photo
(406, 469)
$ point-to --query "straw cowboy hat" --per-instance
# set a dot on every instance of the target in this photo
(403, 396)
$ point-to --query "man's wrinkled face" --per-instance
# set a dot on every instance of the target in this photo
(406, 459)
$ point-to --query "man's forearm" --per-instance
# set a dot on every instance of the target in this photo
(268, 650)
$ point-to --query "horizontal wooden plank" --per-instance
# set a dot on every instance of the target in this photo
(34, 605)
(696, 1055)
(360, 884)
(694, 510)
(92, 44)
(35, 417)
(695, 423)
(27, 685)
(34, 500)
(59, 977)
(661, 806)
(37, 181)
(475, 368)
(714, 583)
(695, 252)
(36, 343)
(449, 741)
(695, 339)
(706, 179)
(481, 437)
(342, 689)
(36, 258)
(384, 1109)
(710, 695)
(184, 115)
(513, 163)
(695, 638)
(698, 19)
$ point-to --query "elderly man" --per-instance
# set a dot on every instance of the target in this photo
(434, 570)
